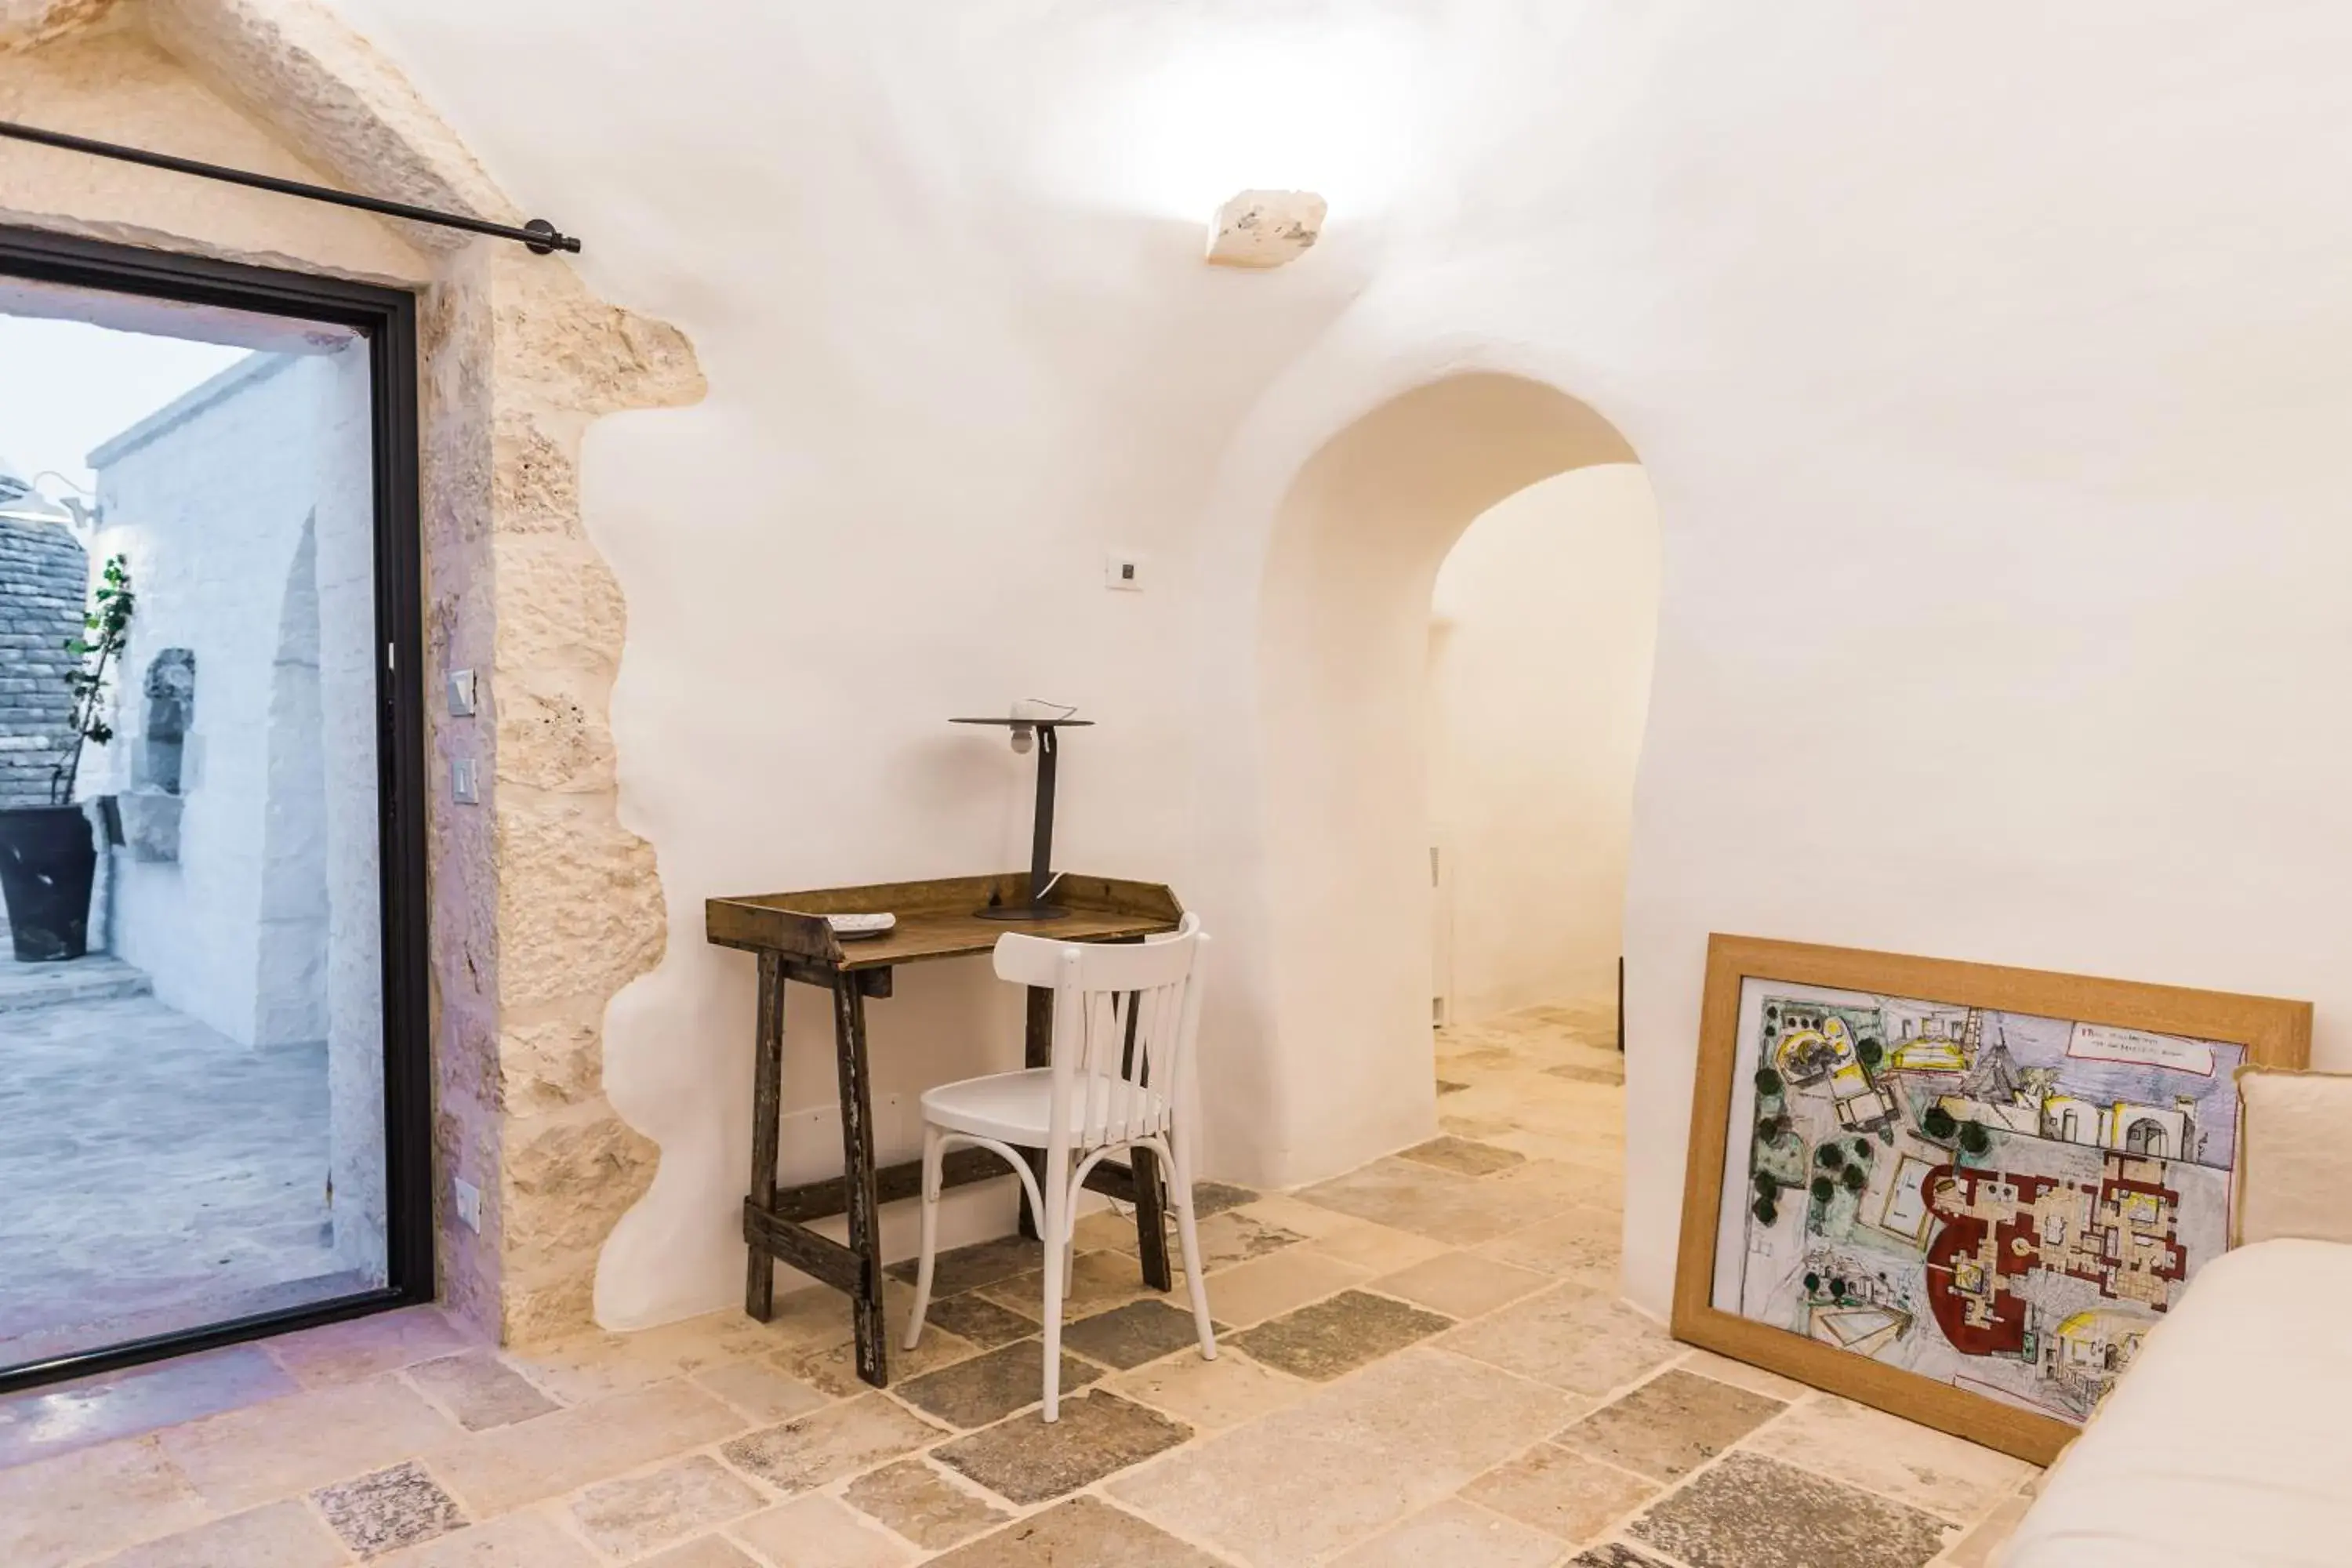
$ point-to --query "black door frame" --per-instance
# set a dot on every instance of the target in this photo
(388, 318)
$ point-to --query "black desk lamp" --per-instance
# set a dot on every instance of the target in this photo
(1041, 848)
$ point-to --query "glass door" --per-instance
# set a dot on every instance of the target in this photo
(211, 1062)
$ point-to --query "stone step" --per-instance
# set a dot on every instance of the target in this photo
(101, 977)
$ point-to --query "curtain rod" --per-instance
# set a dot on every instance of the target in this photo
(538, 235)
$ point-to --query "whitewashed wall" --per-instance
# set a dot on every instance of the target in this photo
(1542, 631)
(1991, 366)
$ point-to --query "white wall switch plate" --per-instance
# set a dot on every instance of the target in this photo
(469, 1204)
(461, 694)
(1123, 573)
(463, 786)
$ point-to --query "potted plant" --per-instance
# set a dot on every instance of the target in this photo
(48, 858)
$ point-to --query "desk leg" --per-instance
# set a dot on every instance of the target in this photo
(767, 1107)
(1037, 1051)
(857, 1172)
(1151, 1219)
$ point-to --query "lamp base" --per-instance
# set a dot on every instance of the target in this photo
(1022, 912)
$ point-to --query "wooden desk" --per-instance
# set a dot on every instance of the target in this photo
(789, 933)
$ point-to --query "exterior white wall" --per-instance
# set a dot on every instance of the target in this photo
(246, 511)
(1990, 368)
(1543, 627)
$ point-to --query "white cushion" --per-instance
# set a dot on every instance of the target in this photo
(2228, 1443)
(1017, 1108)
(2294, 1160)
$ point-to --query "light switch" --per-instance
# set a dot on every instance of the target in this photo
(1123, 573)
(463, 787)
(461, 694)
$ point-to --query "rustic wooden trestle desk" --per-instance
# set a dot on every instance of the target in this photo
(793, 940)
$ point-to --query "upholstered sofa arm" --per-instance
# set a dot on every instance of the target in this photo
(2294, 1157)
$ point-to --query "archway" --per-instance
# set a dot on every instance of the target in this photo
(1342, 659)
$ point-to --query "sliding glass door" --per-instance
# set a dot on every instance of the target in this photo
(212, 1107)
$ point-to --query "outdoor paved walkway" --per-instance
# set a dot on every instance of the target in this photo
(154, 1174)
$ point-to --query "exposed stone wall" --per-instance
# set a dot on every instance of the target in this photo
(44, 574)
(543, 905)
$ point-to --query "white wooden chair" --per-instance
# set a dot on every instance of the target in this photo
(1124, 1021)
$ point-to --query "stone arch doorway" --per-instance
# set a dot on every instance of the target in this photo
(1342, 655)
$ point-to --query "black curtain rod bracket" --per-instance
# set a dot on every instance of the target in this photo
(538, 236)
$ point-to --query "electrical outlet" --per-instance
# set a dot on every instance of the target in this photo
(469, 1204)
(464, 787)
(1123, 573)
(461, 694)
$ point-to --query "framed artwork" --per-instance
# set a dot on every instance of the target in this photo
(1959, 1193)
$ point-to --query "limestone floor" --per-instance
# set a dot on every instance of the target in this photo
(1423, 1364)
(156, 1175)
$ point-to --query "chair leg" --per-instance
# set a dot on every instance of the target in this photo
(1188, 1237)
(1057, 1209)
(934, 1153)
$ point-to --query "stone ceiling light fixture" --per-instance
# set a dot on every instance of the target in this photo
(1266, 228)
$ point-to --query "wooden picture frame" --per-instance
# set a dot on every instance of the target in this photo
(2271, 1031)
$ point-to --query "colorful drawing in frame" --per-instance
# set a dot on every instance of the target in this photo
(1962, 1193)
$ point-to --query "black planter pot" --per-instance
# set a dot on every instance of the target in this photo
(47, 863)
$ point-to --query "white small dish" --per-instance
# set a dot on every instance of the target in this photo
(861, 928)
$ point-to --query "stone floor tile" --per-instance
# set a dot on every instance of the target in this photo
(1577, 1241)
(819, 1531)
(1670, 1426)
(1235, 1237)
(1579, 1072)
(478, 1391)
(1312, 1221)
(1560, 1493)
(1338, 1335)
(1025, 1459)
(1975, 1549)
(1739, 1374)
(509, 1467)
(1210, 1396)
(1083, 1533)
(987, 1388)
(834, 1369)
(921, 1503)
(761, 1390)
(1300, 1485)
(91, 1501)
(1098, 1279)
(1612, 1554)
(1251, 1292)
(1461, 1284)
(360, 1348)
(43, 1423)
(962, 1268)
(283, 1535)
(388, 1509)
(1106, 1230)
(1213, 1198)
(1462, 1156)
(1127, 1337)
(1455, 1532)
(519, 1541)
(305, 1440)
(979, 1320)
(1377, 1248)
(839, 1440)
(1569, 1337)
(1748, 1511)
(710, 1552)
(1405, 1195)
(590, 1366)
(1869, 1448)
(631, 1515)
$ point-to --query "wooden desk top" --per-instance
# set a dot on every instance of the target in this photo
(936, 920)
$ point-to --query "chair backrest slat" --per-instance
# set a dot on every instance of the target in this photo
(1124, 1018)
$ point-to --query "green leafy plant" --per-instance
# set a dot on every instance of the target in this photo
(1871, 1052)
(1937, 1122)
(1974, 1138)
(1856, 1178)
(1767, 1081)
(1829, 1156)
(1823, 1189)
(1767, 1211)
(106, 628)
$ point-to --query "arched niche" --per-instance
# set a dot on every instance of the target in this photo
(1341, 662)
